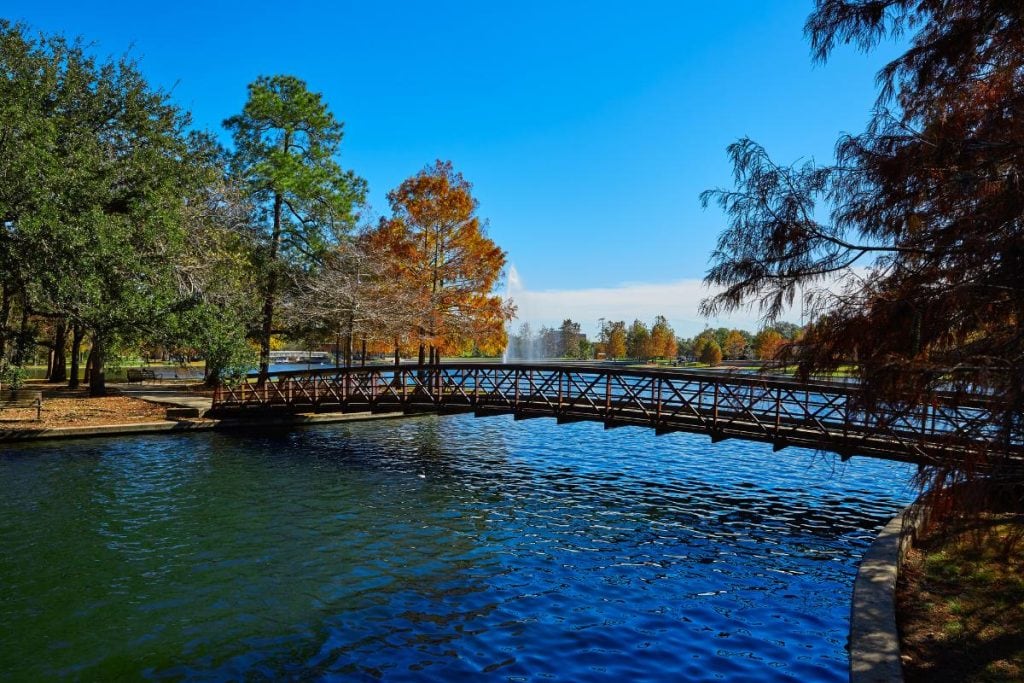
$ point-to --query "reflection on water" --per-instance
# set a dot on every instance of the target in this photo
(433, 549)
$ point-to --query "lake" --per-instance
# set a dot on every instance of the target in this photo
(433, 548)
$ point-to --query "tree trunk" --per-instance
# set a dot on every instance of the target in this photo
(88, 367)
(5, 313)
(21, 346)
(362, 362)
(271, 294)
(76, 354)
(97, 372)
(58, 365)
(422, 358)
(398, 357)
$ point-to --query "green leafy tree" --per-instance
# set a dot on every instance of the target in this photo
(702, 340)
(685, 347)
(638, 341)
(27, 159)
(789, 331)
(570, 339)
(711, 353)
(101, 249)
(287, 144)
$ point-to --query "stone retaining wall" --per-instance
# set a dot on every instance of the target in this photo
(874, 638)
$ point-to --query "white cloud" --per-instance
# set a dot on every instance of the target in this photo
(678, 301)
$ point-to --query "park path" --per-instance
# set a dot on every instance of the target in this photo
(184, 403)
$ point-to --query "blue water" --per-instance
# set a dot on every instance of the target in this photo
(433, 549)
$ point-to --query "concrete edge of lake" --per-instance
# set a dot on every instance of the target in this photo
(874, 637)
(169, 426)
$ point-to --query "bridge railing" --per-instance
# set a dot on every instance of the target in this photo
(724, 405)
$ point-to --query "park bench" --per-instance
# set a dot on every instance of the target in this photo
(140, 376)
(23, 398)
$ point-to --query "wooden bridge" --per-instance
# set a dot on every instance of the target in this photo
(723, 405)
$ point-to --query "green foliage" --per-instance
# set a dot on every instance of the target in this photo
(638, 341)
(220, 337)
(96, 239)
(570, 337)
(12, 376)
(286, 148)
(711, 353)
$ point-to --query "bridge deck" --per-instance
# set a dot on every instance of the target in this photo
(821, 415)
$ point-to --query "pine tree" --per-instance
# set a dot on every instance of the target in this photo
(287, 143)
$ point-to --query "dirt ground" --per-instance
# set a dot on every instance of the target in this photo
(960, 606)
(66, 408)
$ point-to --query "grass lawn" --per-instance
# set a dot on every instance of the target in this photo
(961, 605)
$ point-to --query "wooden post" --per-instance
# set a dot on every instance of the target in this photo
(607, 394)
(778, 410)
(714, 416)
(657, 410)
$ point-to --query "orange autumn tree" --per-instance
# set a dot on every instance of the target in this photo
(440, 250)
(767, 343)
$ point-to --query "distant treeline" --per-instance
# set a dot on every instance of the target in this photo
(642, 343)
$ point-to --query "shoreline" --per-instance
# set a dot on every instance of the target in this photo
(11, 436)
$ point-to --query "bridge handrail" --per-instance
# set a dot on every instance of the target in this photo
(782, 411)
(733, 377)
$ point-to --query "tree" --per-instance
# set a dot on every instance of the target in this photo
(735, 345)
(27, 156)
(449, 259)
(711, 353)
(663, 339)
(638, 341)
(767, 344)
(357, 294)
(616, 340)
(702, 340)
(100, 237)
(286, 149)
(927, 200)
(213, 271)
(570, 339)
(789, 331)
(685, 347)
(549, 342)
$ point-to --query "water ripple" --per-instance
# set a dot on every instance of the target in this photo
(433, 549)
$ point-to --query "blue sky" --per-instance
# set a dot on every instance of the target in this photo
(587, 128)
